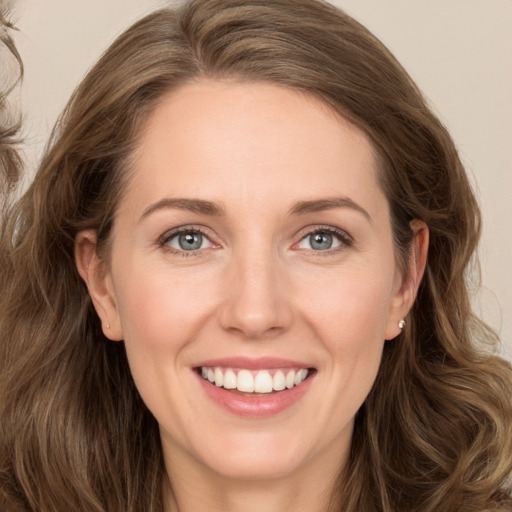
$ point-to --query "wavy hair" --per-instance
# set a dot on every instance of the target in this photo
(434, 434)
(10, 161)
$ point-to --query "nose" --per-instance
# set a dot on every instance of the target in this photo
(256, 298)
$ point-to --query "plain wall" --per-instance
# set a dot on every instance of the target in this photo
(458, 51)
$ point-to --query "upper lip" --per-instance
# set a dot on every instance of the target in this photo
(260, 363)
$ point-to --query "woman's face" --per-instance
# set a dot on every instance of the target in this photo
(252, 247)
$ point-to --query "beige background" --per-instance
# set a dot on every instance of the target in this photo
(458, 51)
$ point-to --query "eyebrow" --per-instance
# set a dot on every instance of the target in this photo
(214, 209)
(328, 203)
(179, 203)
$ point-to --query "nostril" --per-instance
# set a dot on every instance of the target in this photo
(255, 308)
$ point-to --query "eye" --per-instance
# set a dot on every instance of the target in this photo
(324, 240)
(188, 240)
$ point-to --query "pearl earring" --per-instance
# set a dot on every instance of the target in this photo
(401, 324)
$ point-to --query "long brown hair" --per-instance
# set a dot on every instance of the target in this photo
(11, 74)
(434, 434)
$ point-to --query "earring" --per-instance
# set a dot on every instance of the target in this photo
(107, 326)
(401, 324)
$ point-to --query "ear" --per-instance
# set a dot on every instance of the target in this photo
(407, 286)
(99, 283)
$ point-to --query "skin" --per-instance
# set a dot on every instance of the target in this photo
(255, 288)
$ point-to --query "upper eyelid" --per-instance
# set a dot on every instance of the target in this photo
(309, 230)
(186, 228)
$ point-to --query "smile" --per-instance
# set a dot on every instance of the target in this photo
(254, 381)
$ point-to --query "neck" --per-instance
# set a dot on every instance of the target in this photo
(188, 489)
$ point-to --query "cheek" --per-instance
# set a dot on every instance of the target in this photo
(161, 315)
(354, 302)
(159, 310)
(349, 315)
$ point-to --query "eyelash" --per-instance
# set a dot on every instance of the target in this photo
(164, 240)
(343, 237)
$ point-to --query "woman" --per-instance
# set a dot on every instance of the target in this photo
(217, 294)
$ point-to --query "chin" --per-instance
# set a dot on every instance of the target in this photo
(255, 456)
(261, 467)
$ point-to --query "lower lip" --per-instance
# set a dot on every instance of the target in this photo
(256, 405)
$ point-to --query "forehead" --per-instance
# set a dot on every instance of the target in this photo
(253, 142)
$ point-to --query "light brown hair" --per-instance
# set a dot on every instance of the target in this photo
(435, 433)
(11, 74)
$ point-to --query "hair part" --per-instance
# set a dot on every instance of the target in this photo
(436, 430)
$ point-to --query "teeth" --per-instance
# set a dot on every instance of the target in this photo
(279, 381)
(219, 377)
(245, 381)
(249, 381)
(230, 379)
(263, 382)
(290, 379)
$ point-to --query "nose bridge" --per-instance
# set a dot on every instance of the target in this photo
(256, 300)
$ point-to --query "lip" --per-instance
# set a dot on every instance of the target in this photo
(254, 405)
(260, 363)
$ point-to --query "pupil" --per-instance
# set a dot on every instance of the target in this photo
(190, 241)
(321, 241)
